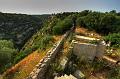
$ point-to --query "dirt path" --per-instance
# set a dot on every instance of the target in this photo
(109, 59)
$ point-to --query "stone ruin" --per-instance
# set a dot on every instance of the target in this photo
(66, 77)
(88, 51)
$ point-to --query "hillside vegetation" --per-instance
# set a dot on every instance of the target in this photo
(44, 31)
(19, 27)
(15, 31)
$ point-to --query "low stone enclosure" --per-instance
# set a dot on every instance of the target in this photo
(41, 67)
(88, 51)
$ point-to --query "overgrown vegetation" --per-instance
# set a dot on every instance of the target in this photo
(103, 23)
(42, 44)
(114, 73)
(114, 39)
(7, 54)
(19, 27)
(62, 26)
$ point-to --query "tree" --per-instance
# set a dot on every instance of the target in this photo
(62, 26)
(7, 50)
(113, 11)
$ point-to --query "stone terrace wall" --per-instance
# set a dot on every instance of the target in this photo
(41, 67)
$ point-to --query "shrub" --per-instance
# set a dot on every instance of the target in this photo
(114, 39)
(7, 44)
(80, 21)
(22, 54)
(5, 56)
(114, 73)
(56, 67)
(6, 51)
(43, 42)
(62, 26)
(98, 64)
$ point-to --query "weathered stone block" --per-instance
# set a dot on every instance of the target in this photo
(63, 63)
(88, 51)
(79, 75)
(100, 51)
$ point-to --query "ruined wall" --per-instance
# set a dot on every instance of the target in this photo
(100, 50)
(88, 51)
(41, 67)
(84, 50)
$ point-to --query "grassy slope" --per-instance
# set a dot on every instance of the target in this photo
(25, 66)
(22, 69)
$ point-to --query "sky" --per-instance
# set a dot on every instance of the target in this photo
(57, 6)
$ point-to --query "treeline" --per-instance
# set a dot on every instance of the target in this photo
(103, 23)
(107, 24)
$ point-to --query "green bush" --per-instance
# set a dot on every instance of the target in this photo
(6, 43)
(103, 23)
(22, 54)
(43, 42)
(114, 73)
(6, 51)
(114, 39)
(56, 67)
(5, 56)
(80, 21)
(62, 26)
(98, 64)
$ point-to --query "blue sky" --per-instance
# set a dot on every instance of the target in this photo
(57, 6)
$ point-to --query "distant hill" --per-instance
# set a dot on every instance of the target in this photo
(19, 27)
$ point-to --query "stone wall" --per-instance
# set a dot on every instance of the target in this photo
(88, 51)
(41, 67)
(100, 50)
(84, 50)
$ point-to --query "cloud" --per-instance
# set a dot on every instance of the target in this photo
(51, 6)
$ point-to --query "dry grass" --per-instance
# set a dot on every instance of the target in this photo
(65, 50)
(22, 69)
(86, 32)
(56, 38)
